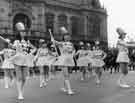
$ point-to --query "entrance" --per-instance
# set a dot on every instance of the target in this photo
(20, 17)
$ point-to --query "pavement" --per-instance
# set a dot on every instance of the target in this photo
(86, 91)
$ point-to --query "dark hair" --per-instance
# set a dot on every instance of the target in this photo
(64, 36)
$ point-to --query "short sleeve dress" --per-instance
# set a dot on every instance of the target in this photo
(122, 56)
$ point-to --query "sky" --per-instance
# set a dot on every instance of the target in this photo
(120, 14)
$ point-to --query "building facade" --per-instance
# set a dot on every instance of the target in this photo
(85, 19)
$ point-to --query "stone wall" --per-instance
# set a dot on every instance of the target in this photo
(82, 20)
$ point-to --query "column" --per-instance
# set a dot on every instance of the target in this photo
(69, 26)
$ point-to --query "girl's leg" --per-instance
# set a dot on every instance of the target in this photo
(6, 78)
(83, 73)
(28, 73)
(67, 85)
(124, 70)
(12, 77)
(46, 75)
(42, 76)
(89, 71)
(24, 75)
(53, 72)
(20, 81)
(98, 72)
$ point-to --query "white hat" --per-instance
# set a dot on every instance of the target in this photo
(120, 31)
(8, 40)
(20, 26)
(81, 43)
(97, 42)
(63, 30)
(52, 46)
(41, 40)
(88, 44)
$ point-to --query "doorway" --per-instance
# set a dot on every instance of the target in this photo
(20, 17)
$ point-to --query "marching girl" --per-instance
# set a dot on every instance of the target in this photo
(42, 62)
(21, 59)
(65, 60)
(7, 65)
(82, 60)
(122, 57)
(97, 62)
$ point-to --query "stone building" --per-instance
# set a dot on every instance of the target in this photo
(84, 19)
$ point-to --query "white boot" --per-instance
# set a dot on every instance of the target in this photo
(97, 80)
(121, 82)
(20, 92)
(70, 92)
(6, 80)
(41, 81)
(64, 89)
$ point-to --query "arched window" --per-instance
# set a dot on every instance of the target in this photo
(20, 17)
(49, 21)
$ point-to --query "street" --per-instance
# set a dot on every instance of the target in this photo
(86, 91)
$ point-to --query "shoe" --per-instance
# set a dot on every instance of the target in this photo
(63, 89)
(47, 80)
(70, 92)
(124, 85)
(98, 82)
(44, 84)
(20, 98)
(41, 85)
(82, 79)
(6, 86)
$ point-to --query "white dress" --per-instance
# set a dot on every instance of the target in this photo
(53, 58)
(122, 56)
(90, 56)
(43, 57)
(83, 59)
(22, 58)
(66, 57)
(97, 59)
(7, 63)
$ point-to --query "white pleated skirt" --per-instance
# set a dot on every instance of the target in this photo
(65, 60)
(122, 57)
(7, 64)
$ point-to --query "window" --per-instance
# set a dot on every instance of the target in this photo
(49, 21)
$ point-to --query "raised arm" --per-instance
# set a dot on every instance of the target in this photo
(77, 53)
(37, 55)
(130, 44)
(33, 48)
(126, 44)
